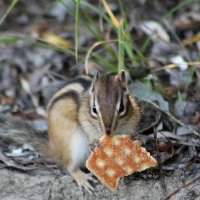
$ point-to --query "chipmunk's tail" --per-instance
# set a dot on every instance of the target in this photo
(18, 132)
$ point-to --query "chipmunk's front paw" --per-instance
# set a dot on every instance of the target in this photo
(83, 180)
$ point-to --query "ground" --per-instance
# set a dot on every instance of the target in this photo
(44, 44)
(22, 186)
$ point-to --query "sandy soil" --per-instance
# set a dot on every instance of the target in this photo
(22, 186)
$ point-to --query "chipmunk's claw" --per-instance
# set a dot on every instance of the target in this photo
(84, 181)
(87, 187)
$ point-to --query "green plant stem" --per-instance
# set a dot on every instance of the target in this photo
(121, 46)
(71, 11)
(36, 41)
(77, 28)
(177, 7)
(90, 51)
(14, 2)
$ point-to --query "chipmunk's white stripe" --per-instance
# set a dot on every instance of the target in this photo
(118, 103)
(75, 86)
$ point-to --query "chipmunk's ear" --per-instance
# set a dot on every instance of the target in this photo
(122, 79)
(94, 80)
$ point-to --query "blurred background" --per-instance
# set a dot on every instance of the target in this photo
(45, 43)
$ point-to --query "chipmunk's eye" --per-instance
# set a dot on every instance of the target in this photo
(121, 107)
(94, 109)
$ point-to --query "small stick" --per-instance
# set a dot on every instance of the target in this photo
(182, 186)
(159, 161)
(175, 119)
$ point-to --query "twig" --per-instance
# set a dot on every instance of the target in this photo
(172, 65)
(175, 119)
(91, 49)
(182, 186)
(159, 161)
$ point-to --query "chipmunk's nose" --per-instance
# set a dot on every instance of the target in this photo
(108, 131)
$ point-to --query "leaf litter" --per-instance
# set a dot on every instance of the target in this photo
(31, 72)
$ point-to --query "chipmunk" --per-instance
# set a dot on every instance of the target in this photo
(79, 113)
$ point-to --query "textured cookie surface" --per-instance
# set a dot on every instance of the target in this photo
(118, 156)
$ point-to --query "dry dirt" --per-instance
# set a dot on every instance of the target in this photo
(22, 186)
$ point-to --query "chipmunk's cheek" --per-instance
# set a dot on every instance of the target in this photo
(101, 131)
(101, 128)
(120, 131)
(115, 128)
(115, 131)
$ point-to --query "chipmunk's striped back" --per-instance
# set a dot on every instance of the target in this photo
(72, 90)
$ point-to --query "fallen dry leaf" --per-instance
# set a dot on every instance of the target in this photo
(56, 40)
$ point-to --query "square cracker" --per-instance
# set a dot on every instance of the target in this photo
(118, 156)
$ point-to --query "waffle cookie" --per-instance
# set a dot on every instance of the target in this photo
(118, 156)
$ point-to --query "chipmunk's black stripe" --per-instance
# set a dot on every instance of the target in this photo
(82, 81)
(69, 94)
(85, 82)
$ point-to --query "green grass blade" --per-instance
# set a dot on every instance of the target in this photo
(71, 12)
(177, 7)
(36, 41)
(9, 39)
(77, 28)
(98, 11)
(12, 5)
(121, 46)
(90, 23)
(129, 44)
(91, 50)
(105, 62)
(145, 44)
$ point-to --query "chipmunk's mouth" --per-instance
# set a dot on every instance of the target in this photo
(111, 130)
(108, 131)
